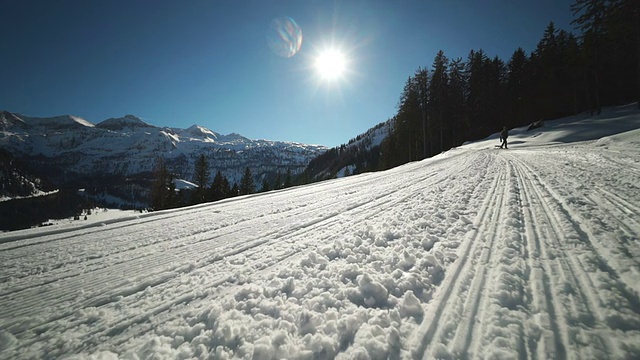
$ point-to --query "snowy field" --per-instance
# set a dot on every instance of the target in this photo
(526, 253)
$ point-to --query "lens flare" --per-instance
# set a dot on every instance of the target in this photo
(284, 37)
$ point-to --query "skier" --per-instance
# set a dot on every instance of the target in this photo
(503, 137)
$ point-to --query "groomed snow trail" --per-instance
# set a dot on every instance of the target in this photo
(530, 253)
(549, 273)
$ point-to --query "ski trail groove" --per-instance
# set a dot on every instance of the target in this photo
(434, 326)
(583, 236)
(552, 342)
(575, 290)
(367, 209)
(502, 300)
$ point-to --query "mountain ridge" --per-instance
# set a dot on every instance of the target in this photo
(72, 148)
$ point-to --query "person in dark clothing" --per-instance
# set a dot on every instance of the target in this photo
(503, 137)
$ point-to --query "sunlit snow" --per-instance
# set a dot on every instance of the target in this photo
(531, 252)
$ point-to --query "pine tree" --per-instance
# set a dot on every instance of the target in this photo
(247, 184)
(546, 60)
(591, 21)
(632, 9)
(265, 185)
(478, 114)
(235, 190)
(159, 187)
(496, 94)
(227, 188)
(408, 125)
(623, 20)
(438, 97)
(388, 148)
(201, 178)
(572, 56)
(422, 87)
(287, 179)
(219, 187)
(456, 103)
(163, 189)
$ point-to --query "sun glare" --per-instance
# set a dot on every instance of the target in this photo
(331, 64)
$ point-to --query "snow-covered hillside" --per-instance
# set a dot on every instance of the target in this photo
(374, 136)
(128, 146)
(531, 252)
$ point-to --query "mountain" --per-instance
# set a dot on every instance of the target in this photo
(71, 151)
(476, 253)
(359, 155)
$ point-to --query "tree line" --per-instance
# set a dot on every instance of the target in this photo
(165, 195)
(458, 100)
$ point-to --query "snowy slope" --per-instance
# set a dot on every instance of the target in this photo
(372, 137)
(531, 252)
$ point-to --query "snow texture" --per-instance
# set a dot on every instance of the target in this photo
(527, 253)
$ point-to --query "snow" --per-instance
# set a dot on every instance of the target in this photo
(96, 217)
(127, 123)
(57, 121)
(182, 184)
(531, 252)
(345, 170)
(35, 193)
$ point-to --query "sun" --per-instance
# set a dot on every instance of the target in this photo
(331, 64)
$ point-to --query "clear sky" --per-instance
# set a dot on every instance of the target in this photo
(178, 63)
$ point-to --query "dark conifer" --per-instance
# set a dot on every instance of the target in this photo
(455, 105)
(265, 185)
(201, 176)
(235, 190)
(159, 188)
(287, 180)
(219, 187)
(591, 20)
(438, 98)
(247, 184)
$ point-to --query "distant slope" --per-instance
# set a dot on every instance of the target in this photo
(360, 154)
(17, 182)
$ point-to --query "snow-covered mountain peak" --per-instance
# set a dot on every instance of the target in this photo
(234, 137)
(57, 122)
(127, 121)
(81, 121)
(8, 119)
(200, 132)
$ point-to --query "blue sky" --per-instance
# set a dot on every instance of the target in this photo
(178, 63)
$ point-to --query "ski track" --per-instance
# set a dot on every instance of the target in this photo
(570, 257)
(357, 212)
(536, 275)
(455, 316)
(519, 289)
(100, 283)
